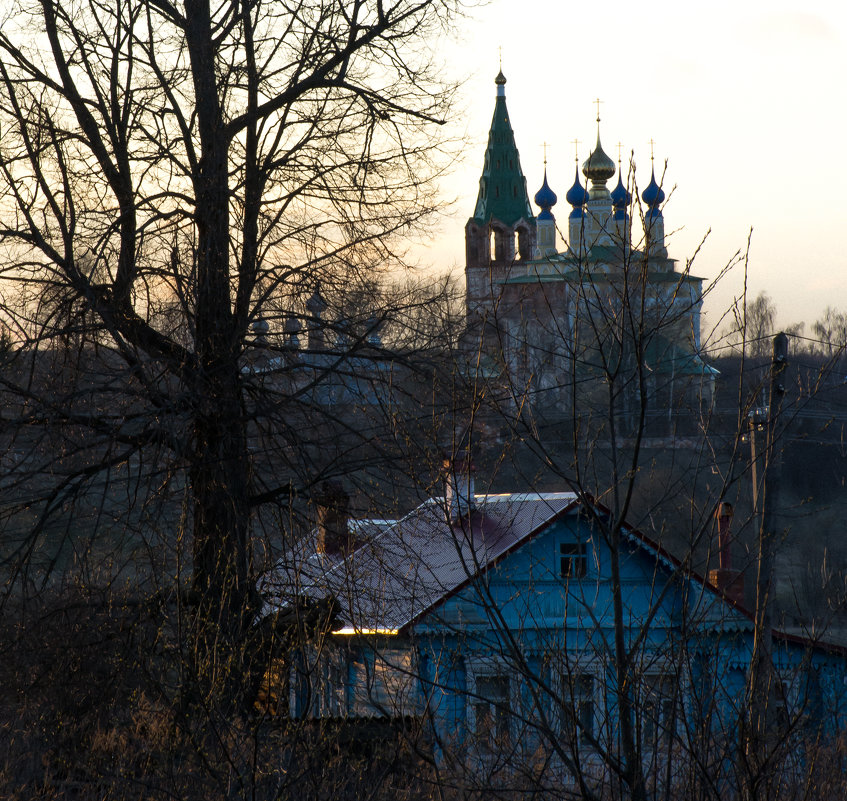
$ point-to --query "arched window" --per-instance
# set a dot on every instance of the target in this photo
(524, 245)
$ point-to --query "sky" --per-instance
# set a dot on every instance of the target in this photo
(745, 100)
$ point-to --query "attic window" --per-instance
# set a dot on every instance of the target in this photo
(573, 560)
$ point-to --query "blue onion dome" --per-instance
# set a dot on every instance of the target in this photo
(598, 167)
(260, 327)
(621, 198)
(545, 199)
(577, 195)
(653, 194)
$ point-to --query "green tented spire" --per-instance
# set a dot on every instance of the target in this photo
(502, 188)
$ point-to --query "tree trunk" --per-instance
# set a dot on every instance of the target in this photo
(220, 470)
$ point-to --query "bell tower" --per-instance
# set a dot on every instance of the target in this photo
(502, 231)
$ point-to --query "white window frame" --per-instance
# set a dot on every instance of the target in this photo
(487, 669)
(671, 705)
(568, 685)
(578, 556)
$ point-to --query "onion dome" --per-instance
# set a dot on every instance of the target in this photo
(598, 167)
(316, 305)
(577, 195)
(292, 332)
(545, 199)
(500, 80)
(653, 195)
(621, 198)
(260, 327)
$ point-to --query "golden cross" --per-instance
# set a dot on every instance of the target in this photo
(619, 153)
(598, 102)
(651, 149)
(575, 143)
(545, 154)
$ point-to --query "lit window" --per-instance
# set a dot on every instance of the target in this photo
(573, 559)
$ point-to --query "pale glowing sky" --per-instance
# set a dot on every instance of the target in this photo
(746, 100)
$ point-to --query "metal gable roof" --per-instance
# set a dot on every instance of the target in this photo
(404, 570)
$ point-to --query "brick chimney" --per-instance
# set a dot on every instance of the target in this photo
(724, 578)
(459, 485)
(332, 517)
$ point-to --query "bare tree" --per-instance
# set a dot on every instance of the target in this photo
(168, 171)
(753, 325)
(599, 343)
(831, 332)
(173, 176)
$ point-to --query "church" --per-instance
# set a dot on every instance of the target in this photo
(564, 320)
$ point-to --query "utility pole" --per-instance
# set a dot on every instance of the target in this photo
(766, 502)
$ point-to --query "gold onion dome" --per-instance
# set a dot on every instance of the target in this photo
(598, 167)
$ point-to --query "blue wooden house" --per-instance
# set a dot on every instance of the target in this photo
(521, 627)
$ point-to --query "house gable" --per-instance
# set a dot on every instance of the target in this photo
(503, 631)
(560, 577)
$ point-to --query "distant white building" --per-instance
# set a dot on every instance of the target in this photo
(557, 313)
